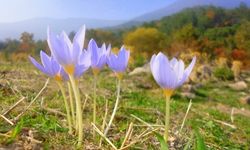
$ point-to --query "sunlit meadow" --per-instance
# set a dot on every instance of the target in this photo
(176, 79)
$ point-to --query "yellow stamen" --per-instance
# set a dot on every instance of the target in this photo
(168, 92)
(119, 75)
(69, 69)
(95, 71)
(58, 78)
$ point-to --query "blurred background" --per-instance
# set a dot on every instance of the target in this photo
(216, 30)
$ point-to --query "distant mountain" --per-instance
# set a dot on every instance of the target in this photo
(38, 26)
(179, 5)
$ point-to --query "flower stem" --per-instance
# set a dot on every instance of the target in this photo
(167, 115)
(115, 108)
(78, 110)
(71, 103)
(94, 103)
(66, 106)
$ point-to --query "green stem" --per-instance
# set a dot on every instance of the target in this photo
(94, 103)
(115, 108)
(71, 103)
(167, 115)
(78, 110)
(67, 107)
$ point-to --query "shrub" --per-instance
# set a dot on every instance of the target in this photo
(223, 73)
(239, 54)
(139, 61)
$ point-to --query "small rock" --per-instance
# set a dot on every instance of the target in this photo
(145, 86)
(243, 93)
(202, 74)
(238, 86)
(248, 80)
(245, 100)
(139, 70)
(188, 95)
(186, 88)
(197, 86)
(216, 90)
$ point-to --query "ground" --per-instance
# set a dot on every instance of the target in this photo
(43, 127)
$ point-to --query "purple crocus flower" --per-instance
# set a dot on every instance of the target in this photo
(67, 53)
(169, 74)
(50, 67)
(98, 55)
(118, 63)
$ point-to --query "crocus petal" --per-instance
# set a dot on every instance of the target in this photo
(111, 61)
(108, 49)
(127, 57)
(79, 38)
(167, 76)
(123, 58)
(67, 49)
(78, 42)
(56, 47)
(56, 68)
(69, 55)
(103, 48)
(187, 72)
(93, 48)
(66, 40)
(189, 69)
(118, 63)
(63, 74)
(180, 69)
(162, 72)
(101, 62)
(46, 61)
(152, 63)
(79, 70)
(76, 52)
(38, 66)
(85, 58)
(173, 61)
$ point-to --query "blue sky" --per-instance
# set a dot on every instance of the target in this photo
(17, 10)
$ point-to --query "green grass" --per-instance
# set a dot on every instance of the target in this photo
(146, 103)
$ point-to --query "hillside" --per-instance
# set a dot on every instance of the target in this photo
(180, 5)
(38, 26)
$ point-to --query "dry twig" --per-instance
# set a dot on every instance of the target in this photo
(13, 106)
(40, 92)
(225, 123)
(185, 117)
(128, 134)
(232, 115)
(144, 122)
(102, 135)
(6, 119)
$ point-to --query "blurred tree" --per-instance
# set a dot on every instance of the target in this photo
(27, 44)
(2, 45)
(242, 36)
(186, 34)
(71, 35)
(41, 45)
(145, 40)
(103, 36)
(11, 47)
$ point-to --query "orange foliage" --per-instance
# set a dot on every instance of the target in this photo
(219, 52)
(210, 14)
(239, 54)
